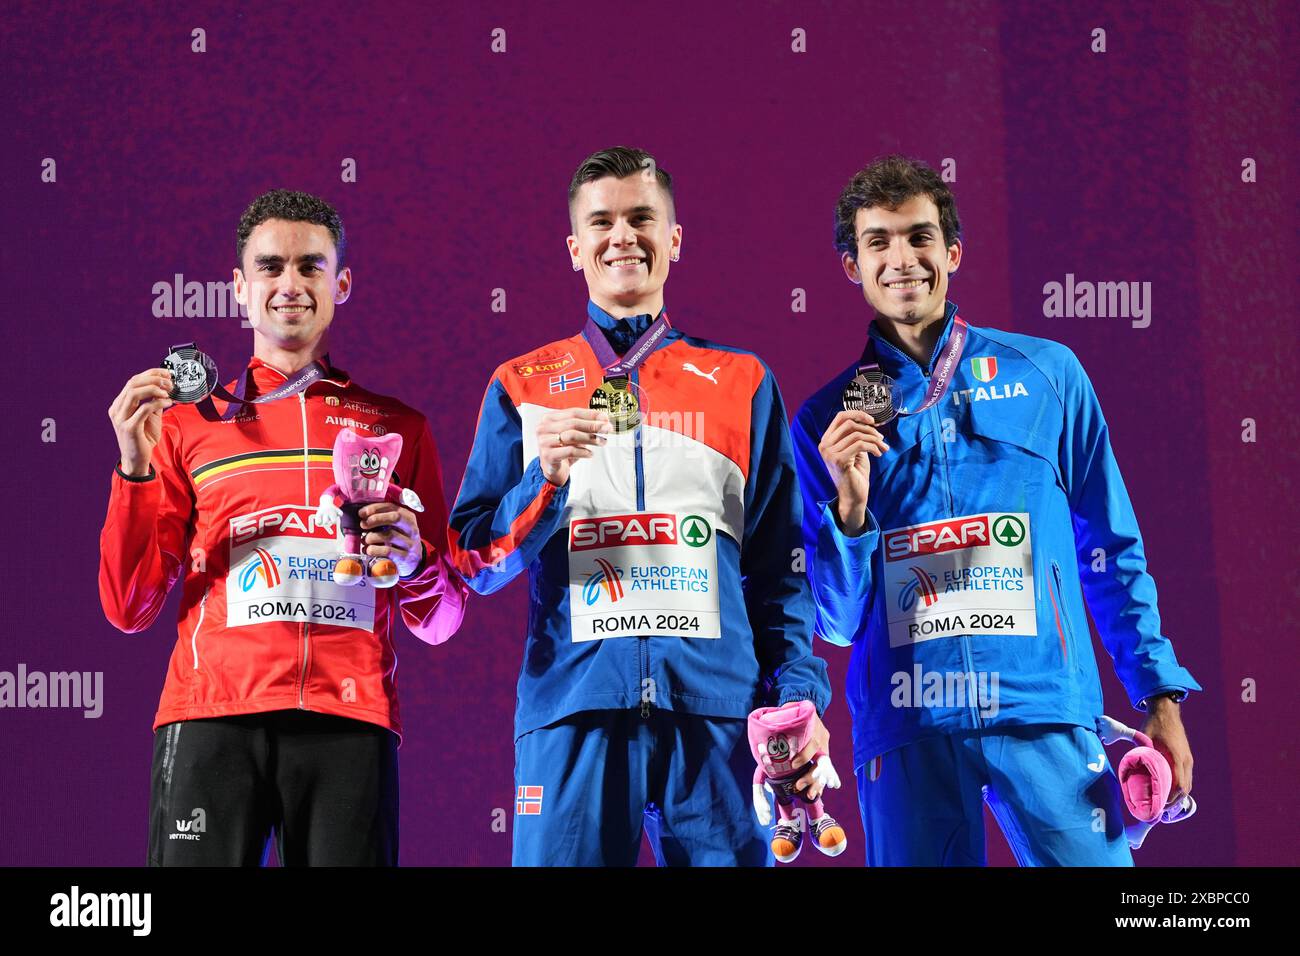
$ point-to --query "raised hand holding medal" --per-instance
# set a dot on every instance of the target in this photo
(850, 438)
(870, 401)
(136, 415)
(568, 435)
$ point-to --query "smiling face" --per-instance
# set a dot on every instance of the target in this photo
(363, 465)
(370, 463)
(902, 263)
(289, 284)
(624, 239)
(778, 748)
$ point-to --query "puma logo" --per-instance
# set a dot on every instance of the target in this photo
(690, 367)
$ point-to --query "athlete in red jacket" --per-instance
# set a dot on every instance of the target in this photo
(279, 711)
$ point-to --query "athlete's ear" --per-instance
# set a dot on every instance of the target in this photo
(954, 256)
(851, 270)
(675, 243)
(241, 287)
(342, 286)
(575, 253)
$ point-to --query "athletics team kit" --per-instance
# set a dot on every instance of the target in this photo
(666, 601)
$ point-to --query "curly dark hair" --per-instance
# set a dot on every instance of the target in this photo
(293, 207)
(620, 162)
(889, 182)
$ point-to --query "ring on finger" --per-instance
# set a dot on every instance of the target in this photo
(559, 438)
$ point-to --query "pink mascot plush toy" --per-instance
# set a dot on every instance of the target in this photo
(363, 468)
(776, 735)
(1145, 780)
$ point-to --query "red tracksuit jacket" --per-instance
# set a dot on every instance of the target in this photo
(231, 508)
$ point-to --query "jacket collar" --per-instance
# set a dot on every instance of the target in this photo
(895, 359)
(622, 333)
(267, 377)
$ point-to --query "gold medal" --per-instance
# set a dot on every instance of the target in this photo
(616, 399)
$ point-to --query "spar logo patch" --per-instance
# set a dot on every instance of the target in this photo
(1008, 530)
(937, 537)
(615, 531)
(696, 531)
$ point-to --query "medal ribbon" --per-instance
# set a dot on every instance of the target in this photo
(296, 383)
(610, 361)
(944, 369)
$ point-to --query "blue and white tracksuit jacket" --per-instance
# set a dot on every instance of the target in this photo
(711, 462)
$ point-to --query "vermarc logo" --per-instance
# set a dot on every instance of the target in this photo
(192, 828)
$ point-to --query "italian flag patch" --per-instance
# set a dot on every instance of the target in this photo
(984, 369)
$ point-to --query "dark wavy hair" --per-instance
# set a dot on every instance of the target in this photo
(294, 207)
(889, 182)
(620, 162)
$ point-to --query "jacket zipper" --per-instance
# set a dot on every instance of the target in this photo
(306, 497)
(194, 637)
(643, 643)
(937, 421)
(1062, 619)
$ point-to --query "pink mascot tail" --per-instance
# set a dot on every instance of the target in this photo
(1145, 780)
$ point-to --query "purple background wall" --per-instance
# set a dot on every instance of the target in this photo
(1122, 166)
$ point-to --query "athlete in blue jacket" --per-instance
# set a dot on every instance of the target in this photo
(953, 546)
(660, 531)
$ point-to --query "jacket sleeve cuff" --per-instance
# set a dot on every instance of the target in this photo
(421, 574)
(133, 478)
(856, 551)
(1179, 695)
(820, 698)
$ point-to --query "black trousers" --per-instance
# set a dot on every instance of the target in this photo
(324, 786)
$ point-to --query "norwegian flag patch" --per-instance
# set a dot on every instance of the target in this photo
(562, 383)
(528, 801)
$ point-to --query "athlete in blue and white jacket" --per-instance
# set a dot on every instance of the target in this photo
(665, 597)
(954, 548)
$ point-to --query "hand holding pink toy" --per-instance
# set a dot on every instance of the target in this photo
(776, 737)
(363, 470)
(1145, 780)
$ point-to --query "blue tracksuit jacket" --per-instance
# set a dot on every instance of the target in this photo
(1019, 433)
